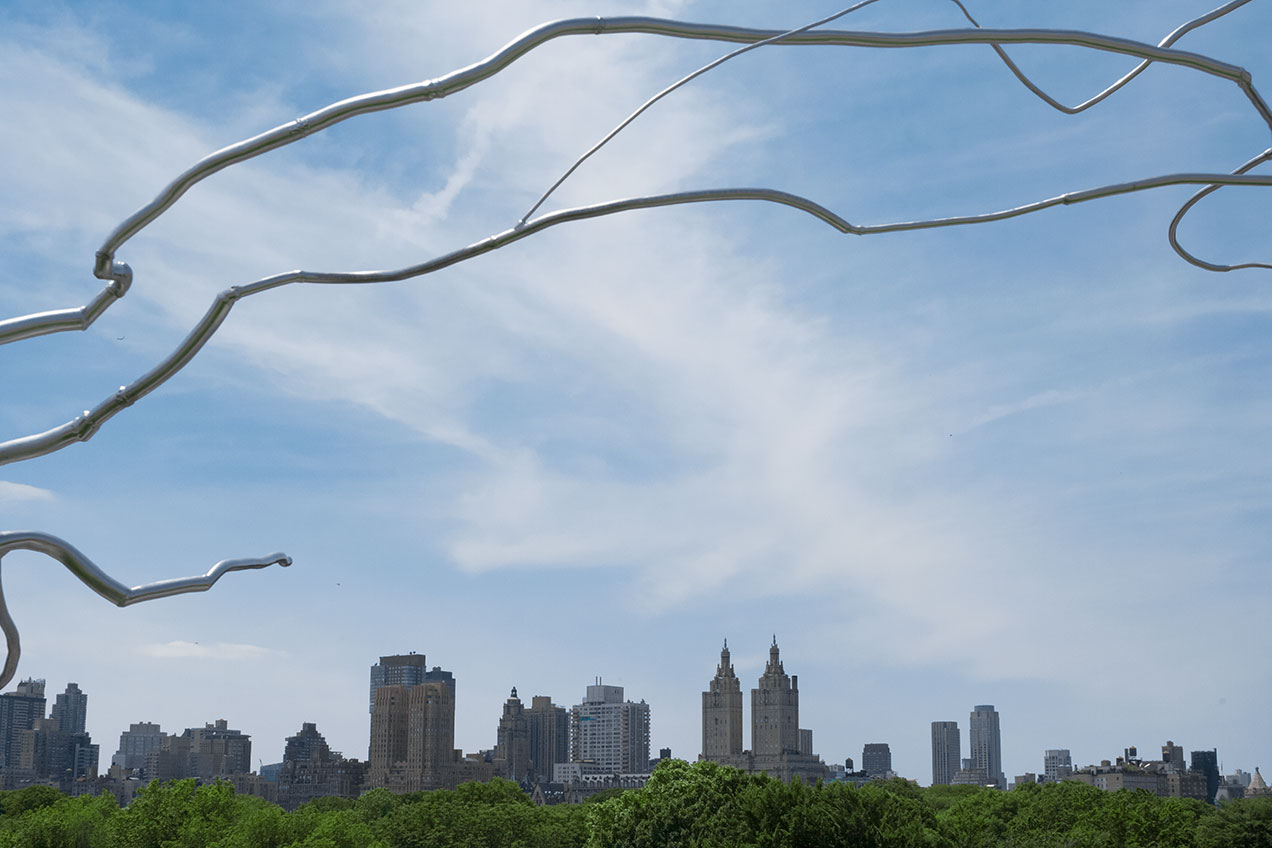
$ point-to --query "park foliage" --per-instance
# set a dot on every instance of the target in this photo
(683, 805)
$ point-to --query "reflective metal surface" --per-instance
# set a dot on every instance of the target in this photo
(119, 276)
(103, 584)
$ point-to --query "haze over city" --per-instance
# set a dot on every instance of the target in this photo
(1020, 464)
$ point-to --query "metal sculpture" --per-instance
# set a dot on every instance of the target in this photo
(119, 276)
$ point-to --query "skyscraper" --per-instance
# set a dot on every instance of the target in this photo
(405, 670)
(413, 739)
(722, 713)
(512, 745)
(609, 735)
(780, 748)
(775, 710)
(70, 710)
(19, 710)
(946, 748)
(986, 744)
(549, 736)
(390, 718)
(1207, 763)
(876, 759)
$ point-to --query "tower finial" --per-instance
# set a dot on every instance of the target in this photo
(774, 640)
(726, 643)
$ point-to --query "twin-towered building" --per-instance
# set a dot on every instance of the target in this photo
(779, 747)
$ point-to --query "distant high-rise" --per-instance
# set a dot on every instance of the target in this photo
(722, 713)
(306, 745)
(512, 745)
(1207, 763)
(390, 719)
(876, 759)
(413, 737)
(19, 710)
(137, 743)
(70, 710)
(405, 670)
(775, 710)
(780, 748)
(214, 750)
(946, 748)
(549, 736)
(609, 735)
(310, 769)
(1057, 764)
(985, 742)
(1173, 756)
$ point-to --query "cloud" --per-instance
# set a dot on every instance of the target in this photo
(210, 651)
(646, 393)
(12, 493)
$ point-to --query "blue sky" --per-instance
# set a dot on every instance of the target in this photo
(1023, 463)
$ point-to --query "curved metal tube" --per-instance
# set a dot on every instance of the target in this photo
(105, 585)
(120, 275)
(685, 80)
(455, 81)
(83, 426)
(1176, 34)
(1020, 75)
(61, 320)
(1265, 156)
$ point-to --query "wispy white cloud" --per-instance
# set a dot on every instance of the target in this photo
(683, 401)
(22, 493)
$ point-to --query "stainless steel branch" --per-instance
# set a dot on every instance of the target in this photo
(1172, 234)
(105, 585)
(120, 275)
(61, 320)
(463, 78)
(1020, 75)
(83, 426)
(1176, 34)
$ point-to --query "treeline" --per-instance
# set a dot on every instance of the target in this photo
(683, 805)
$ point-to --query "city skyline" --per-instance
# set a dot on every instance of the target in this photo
(1014, 464)
(72, 704)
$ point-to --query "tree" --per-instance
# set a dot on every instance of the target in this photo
(106, 266)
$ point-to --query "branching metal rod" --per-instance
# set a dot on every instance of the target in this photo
(463, 78)
(1178, 33)
(61, 320)
(120, 275)
(1265, 156)
(83, 426)
(105, 585)
(685, 80)
(1170, 39)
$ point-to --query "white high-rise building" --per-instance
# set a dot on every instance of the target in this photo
(1057, 764)
(986, 744)
(609, 735)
